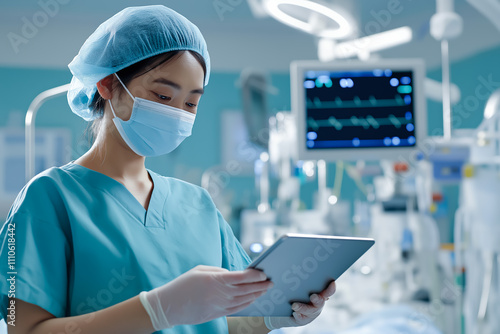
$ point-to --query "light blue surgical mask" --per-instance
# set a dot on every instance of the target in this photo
(153, 128)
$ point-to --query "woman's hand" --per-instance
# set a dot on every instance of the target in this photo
(303, 313)
(203, 294)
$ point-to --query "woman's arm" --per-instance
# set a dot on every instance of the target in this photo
(207, 292)
(240, 325)
(127, 317)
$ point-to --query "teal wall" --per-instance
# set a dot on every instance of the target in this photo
(18, 87)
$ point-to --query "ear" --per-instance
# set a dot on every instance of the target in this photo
(105, 87)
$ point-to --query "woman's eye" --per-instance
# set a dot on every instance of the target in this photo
(191, 105)
(163, 97)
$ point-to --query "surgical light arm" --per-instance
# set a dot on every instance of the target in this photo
(29, 136)
(489, 8)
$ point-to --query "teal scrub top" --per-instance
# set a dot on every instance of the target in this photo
(84, 243)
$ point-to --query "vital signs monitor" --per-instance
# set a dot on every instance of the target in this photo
(359, 110)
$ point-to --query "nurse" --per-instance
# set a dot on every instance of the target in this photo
(105, 245)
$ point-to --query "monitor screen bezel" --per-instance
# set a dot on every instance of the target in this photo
(297, 75)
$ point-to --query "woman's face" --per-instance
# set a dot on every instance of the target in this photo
(177, 83)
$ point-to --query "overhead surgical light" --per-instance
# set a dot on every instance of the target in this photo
(363, 47)
(318, 19)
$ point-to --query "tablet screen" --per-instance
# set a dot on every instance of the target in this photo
(300, 265)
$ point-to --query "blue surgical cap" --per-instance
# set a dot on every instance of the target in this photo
(132, 35)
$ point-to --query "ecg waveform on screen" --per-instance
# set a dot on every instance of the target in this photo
(366, 123)
(356, 102)
(359, 110)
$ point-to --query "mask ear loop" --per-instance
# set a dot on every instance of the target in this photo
(112, 110)
(132, 96)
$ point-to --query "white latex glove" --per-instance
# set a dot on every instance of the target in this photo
(303, 313)
(203, 294)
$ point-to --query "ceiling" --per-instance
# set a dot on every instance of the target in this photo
(236, 39)
(234, 10)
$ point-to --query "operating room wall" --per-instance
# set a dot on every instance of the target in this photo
(18, 87)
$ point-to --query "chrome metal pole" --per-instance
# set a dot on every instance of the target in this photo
(446, 90)
(29, 134)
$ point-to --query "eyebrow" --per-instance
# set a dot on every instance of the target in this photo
(176, 86)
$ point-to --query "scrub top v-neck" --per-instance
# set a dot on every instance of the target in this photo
(149, 218)
(84, 242)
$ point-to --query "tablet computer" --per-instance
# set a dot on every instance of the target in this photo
(300, 265)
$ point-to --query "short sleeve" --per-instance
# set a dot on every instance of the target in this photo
(234, 256)
(34, 253)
